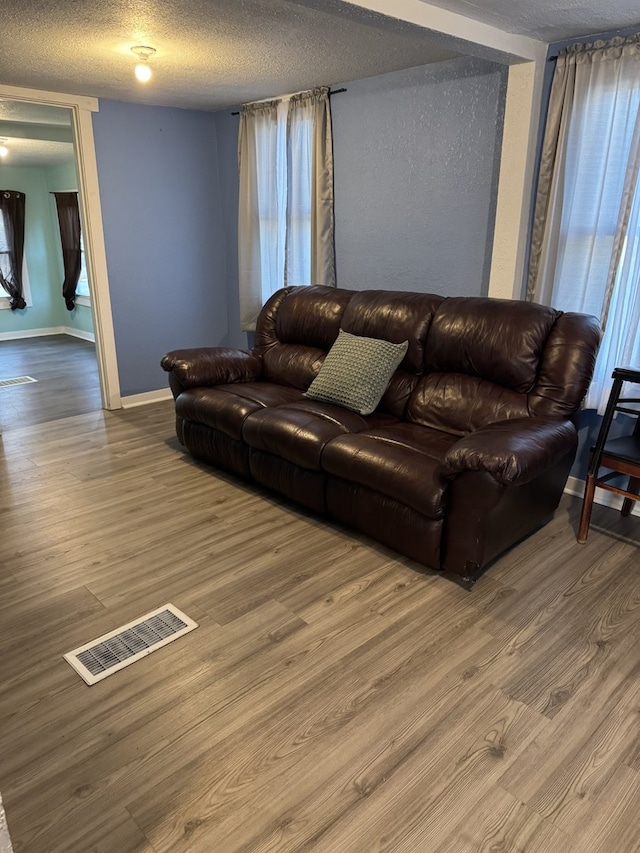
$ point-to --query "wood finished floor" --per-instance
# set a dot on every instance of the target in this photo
(67, 374)
(334, 699)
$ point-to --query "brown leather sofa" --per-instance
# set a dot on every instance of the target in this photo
(468, 451)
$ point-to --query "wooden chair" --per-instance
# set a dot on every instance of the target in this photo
(620, 456)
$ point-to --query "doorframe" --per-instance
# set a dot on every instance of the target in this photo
(81, 109)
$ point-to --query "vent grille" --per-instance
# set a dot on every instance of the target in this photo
(16, 380)
(112, 652)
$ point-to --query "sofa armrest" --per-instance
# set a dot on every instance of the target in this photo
(207, 366)
(513, 452)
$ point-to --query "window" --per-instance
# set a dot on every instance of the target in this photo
(285, 222)
(5, 268)
(586, 241)
(82, 289)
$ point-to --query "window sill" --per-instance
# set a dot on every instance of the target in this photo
(5, 300)
(83, 300)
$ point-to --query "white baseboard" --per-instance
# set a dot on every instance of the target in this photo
(52, 330)
(30, 333)
(146, 398)
(79, 333)
(575, 487)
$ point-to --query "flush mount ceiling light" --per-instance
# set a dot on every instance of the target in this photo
(142, 69)
(3, 147)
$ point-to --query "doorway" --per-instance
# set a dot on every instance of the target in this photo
(32, 119)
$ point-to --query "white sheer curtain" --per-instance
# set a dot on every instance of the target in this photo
(285, 218)
(585, 253)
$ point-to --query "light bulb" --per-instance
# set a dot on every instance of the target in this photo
(3, 150)
(143, 72)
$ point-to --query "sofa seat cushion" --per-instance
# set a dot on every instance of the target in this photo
(300, 431)
(225, 407)
(402, 461)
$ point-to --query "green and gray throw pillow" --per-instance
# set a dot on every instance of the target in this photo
(356, 372)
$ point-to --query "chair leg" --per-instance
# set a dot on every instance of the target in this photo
(587, 505)
(634, 486)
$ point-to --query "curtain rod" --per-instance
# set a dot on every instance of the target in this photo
(331, 93)
(593, 49)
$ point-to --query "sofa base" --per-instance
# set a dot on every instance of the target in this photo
(484, 519)
(393, 524)
(217, 448)
(304, 487)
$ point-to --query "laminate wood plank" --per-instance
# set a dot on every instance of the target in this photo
(306, 733)
(383, 819)
(122, 722)
(574, 790)
(335, 697)
(107, 832)
(565, 583)
(562, 771)
(500, 822)
(383, 679)
(67, 374)
(153, 768)
(614, 825)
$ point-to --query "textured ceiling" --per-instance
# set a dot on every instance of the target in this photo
(549, 20)
(36, 135)
(212, 54)
(36, 152)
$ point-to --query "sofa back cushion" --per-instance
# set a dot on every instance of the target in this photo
(483, 362)
(470, 361)
(566, 366)
(394, 316)
(298, 326)
(496, 339)
(295, 329)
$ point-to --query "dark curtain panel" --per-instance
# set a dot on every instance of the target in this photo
(69, 220)
(12, 207)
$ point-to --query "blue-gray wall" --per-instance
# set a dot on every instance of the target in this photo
(417, 156)
(416, 167)
(164, 236)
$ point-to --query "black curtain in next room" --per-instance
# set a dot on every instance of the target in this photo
(69, 221)
(12, 250)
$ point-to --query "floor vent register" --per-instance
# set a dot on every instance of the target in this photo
(117, 649)
(16, 380)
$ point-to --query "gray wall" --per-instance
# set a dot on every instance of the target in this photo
(416, 166)
(165, 244)
(417, 156)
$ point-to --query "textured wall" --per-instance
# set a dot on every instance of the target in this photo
(416, 167)
(159, 188)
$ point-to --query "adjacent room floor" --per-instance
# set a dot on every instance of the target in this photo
(67, 380)
(334, 697)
